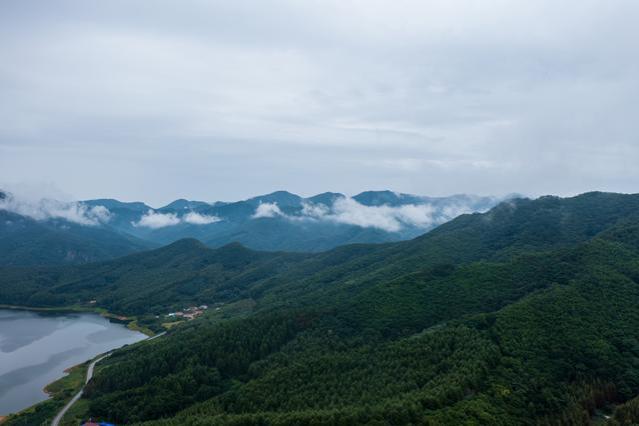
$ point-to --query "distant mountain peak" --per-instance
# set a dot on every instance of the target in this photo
(282, 198)
(326, 198)
(282, 194)
(186, 244)
(378, 198)
(184, 204)
(293, 223)
(111, 204)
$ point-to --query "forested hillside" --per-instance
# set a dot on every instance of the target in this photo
(285, 221)
(188, 271)
(150, 282)
(528, 314)
(27, 242)
(48, 232)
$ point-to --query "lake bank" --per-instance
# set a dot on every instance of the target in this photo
(37, 347)
(131, 322)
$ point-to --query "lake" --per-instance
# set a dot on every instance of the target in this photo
(36, 348)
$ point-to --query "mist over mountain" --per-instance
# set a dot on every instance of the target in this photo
(99, 229)
(52, 232)
(285, 221)
(528, 311)
(140, 145)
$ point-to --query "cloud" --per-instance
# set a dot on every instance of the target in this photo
(453, 210)
(420, 96)
(47, 209)
(267, 210)
(199, 219)
(314, 210)
(388, 218)
(419, 215)
(155, 220)
(349, 211)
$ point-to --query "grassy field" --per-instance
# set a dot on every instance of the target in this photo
(133, 325)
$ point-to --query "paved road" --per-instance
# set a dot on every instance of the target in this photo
(77, 396)
(56, 421)
(155, 337)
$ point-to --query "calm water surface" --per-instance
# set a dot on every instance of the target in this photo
(35, 349)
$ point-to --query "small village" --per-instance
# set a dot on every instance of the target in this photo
(189, 313)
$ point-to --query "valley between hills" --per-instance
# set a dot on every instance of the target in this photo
(525, 314)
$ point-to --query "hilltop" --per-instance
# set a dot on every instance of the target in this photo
(525, 314)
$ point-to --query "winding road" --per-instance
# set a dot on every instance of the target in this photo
(58, 418)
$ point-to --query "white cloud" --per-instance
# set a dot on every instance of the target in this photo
(314, 210)
(267, 210)
(388, 218)
(45, 209)
(101, 213)
(419, 215)
(155, 220)
(454, 210)
(349, 211)
(469, 96)
(199, 219)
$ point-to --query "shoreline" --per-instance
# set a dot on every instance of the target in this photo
(64, 309)
(130, 322)
(48, 389)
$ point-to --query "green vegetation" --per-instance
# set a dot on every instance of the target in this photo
(27, 242)
(528, 314)
(187, 272)
(135, 326)
(147, 324)
(150, 283)
(626, 414)
(76, 414)
(554, 354)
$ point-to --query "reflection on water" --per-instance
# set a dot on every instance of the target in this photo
(35, 349)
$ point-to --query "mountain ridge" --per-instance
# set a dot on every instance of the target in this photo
(492, 236)
(451, 327)
(280, 221)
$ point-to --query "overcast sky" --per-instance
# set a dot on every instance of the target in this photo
(157, 100)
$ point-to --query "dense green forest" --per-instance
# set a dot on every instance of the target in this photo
(49, 238)
(527, 314)
(27, 242)
(187, 271)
